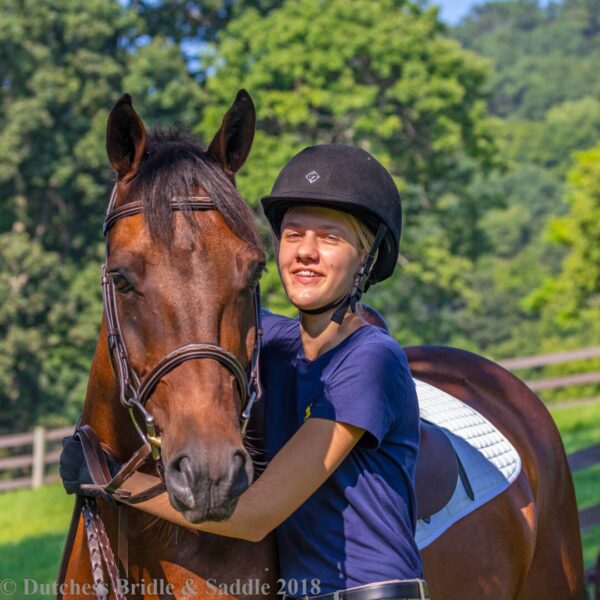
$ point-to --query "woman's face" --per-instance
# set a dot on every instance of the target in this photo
(318, 256)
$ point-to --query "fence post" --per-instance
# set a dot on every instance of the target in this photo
(37, 471)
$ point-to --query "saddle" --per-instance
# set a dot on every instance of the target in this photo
(438, 465)
(437, 473)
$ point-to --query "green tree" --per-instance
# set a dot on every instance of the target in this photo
(571, 300)
(189, 20)
(543, 55)
(550, 142)
(64, 65)
(31, 280)
(382, 75)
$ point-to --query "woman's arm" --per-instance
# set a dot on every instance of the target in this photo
(294, 474)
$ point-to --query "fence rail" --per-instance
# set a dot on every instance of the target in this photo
(35, 461)
(551, 359)
(552, 383)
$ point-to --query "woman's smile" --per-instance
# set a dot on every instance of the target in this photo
(306, 276)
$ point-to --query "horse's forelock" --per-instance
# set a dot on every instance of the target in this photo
(175, 166)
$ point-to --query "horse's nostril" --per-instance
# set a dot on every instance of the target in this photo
(184, 464)
(240, 480)
(179, 476)
(239, 456)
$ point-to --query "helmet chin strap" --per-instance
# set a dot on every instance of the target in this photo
(361, 284)
(320, 311)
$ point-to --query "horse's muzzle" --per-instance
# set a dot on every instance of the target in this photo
(205, 491)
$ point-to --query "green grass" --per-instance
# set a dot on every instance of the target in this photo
(579, 426)
(33, 523)
(33, 528)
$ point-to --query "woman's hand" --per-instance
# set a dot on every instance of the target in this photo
(295, 473)
(73, 468)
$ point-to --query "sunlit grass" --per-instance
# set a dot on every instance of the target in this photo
(33, 528)
(579, 425)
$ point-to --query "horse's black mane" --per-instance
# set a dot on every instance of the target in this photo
(175, 166)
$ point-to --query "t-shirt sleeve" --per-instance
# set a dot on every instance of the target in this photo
(366, 390)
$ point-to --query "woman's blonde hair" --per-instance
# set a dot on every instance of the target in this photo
(365, 236)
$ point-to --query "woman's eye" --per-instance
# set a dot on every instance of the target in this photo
(121, 284)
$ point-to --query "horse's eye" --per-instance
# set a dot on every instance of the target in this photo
(121, 284)
(256, 275)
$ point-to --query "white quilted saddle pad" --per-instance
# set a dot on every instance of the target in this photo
(490, 460)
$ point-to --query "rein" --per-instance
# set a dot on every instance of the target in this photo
(133, 394)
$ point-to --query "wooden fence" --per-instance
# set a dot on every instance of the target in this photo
(40, 461)
(45, 451)
(587, 457)
(537, 385)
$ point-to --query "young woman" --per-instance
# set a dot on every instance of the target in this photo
(342, 430)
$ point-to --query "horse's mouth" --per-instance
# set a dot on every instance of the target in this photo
(198, 512)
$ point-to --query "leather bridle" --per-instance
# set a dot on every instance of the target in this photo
(133, 394)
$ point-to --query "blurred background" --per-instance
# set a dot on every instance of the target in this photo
(487, 115)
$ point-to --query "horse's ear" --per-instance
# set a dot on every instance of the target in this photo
(231, 144)
(125, 138)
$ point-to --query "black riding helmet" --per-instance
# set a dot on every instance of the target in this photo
(347, 179)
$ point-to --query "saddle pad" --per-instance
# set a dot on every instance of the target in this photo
(490, 460)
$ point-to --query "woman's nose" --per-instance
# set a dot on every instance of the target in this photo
(307, 248)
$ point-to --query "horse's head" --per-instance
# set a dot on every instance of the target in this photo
(182, 277)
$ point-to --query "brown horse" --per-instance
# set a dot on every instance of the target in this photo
(193, 286)
(180, 277)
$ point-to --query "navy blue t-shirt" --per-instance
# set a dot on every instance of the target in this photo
(359, 526)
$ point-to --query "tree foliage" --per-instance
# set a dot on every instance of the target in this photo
(572, 299)
(65, 64)
(382, 76)
(543, 55)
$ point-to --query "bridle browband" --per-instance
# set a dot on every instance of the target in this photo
(134, 393)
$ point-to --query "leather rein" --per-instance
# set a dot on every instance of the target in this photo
(133, 394)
